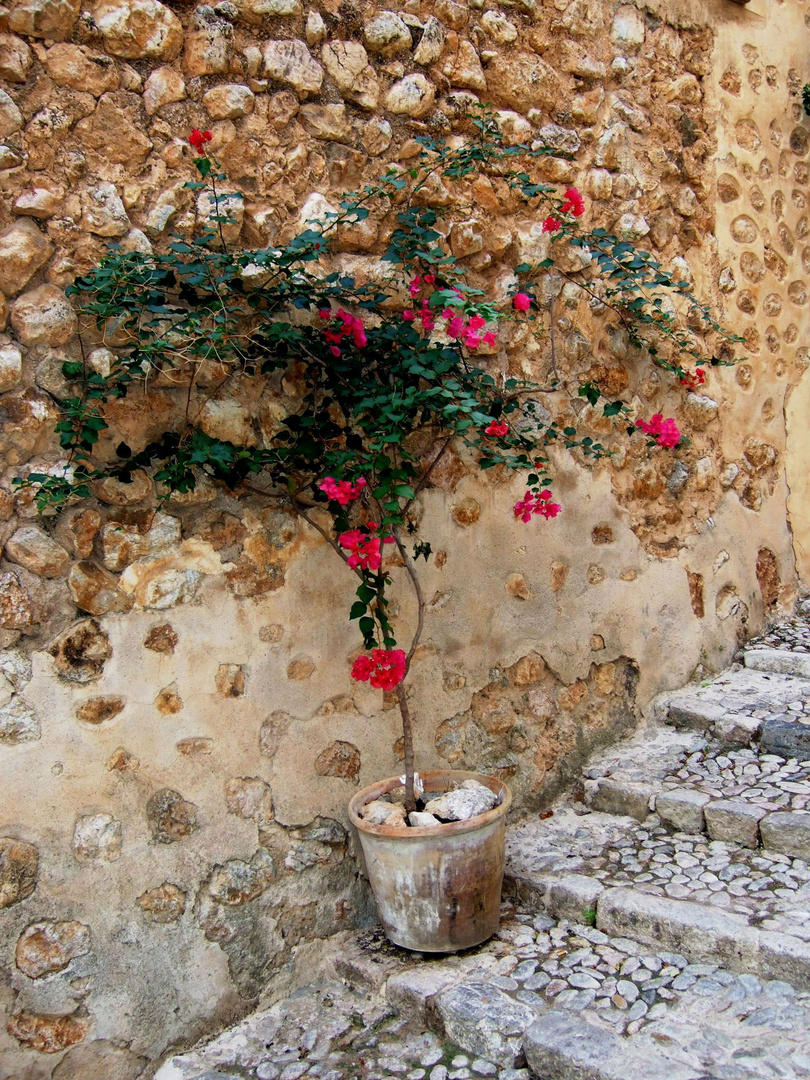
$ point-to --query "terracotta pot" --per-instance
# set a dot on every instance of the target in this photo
(438, 888)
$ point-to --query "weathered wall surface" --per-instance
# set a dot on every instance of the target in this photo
(178, 731)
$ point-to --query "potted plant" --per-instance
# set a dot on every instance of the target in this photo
(390, 373)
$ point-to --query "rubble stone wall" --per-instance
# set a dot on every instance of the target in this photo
(178, 732)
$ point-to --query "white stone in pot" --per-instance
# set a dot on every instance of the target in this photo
(466, 802)
(380, 812)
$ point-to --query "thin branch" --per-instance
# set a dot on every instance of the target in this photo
(420, 597)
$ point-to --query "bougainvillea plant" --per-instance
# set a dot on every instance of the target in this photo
(391, 373)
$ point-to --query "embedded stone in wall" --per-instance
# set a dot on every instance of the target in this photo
(95, 590)
(195, 745)
(23, 251)
(168, 700)
(43, 316)
(208, 44)
(559, 573)
(15, 59)
(113, 131)
(97, 837)
(250, 798)
(298, 670)
(104, 213)
(326, 122)
(83, 528)
(759, 455)
(516, 586)
(48, 1034)
(121, 760)
(100, 1060)
(115, 492)
(123, 544)
(254, 11)
(346, 64)
(18, 722)
(83, 69)
(163, 87)
(46, 947)
(39, 202)
(19, 868)
(162, 639)
(431, 44)
(499, 28)
(320, 843)
(17, 610)
(412, 96)
(700, 410)
(237, 882)
(230, 680)
(158, 586)
(99, 709)
(11, 119)
(291, 62)
(34, 550)
(229, 101)
(387, 34)
(341, 759)
(170, 816)
(165, 904)
(139, 29)
(522, 82)
(81, 651)
(767, 571)
(45, 18)
(10, 367)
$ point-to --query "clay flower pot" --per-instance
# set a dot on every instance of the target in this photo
(437, 888)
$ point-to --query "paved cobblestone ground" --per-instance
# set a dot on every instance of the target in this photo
(557, 985)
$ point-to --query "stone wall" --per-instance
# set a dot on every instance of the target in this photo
(178, 732)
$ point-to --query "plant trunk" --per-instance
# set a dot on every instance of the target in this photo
(407, 739)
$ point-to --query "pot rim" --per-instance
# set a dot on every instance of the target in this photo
(419, 832)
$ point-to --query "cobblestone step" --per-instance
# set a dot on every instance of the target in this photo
(735, 704)
(778, 660)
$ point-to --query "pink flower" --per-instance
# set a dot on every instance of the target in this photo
(551, 224)
(539, 503)
(364, 547)
(198, 139)
(472, 341)
(362, 668)
(489, 337)
(574, 203)
(497, 427)
(351, 326)
(324, 313)
(342, 491)
(477, 322)
(415, 286)
(384, 669)
(693, 379)
(665, 432)
(430, 279)
(408, 316)
(522, 301)
(455, 327)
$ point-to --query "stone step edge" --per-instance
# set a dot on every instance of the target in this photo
(565, 1046)
(697, 931)
(685, 809)
(778, 661)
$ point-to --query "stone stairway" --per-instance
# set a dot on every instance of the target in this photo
(657, 926)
